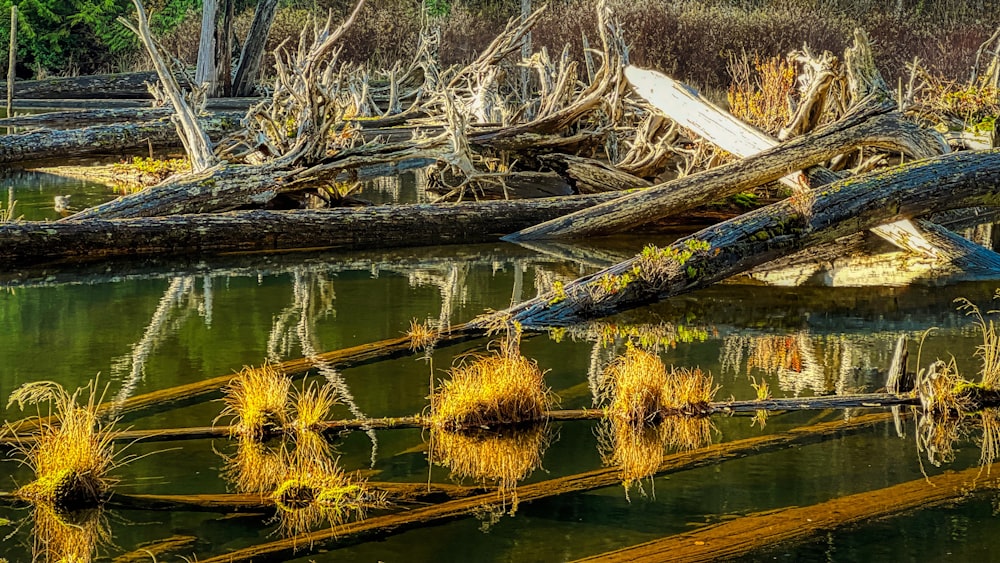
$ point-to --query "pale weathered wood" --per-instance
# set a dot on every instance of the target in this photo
(248, 69)
(205, 74)
(946, 182)
(11, 59)
(717, 183)
(195, 140)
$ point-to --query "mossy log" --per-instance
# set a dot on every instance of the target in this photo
(750, 534)
(946, 182)
(381, 526)
(102, 139)
(126, 85)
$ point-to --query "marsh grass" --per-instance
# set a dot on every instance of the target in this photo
(502, 388)
(501, 457)
(73, 454)
(989, 351)
(421, 335)
(256, 400)
(638, 389)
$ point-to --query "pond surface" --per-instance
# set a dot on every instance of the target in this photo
(140, 328)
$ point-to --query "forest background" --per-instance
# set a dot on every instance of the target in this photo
(698, 41)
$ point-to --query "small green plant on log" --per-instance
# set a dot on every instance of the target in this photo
(72, 455)
(141, 171)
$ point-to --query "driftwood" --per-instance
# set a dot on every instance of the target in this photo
(750, 534)
(733, 247)
(102, 139)
(381, 526)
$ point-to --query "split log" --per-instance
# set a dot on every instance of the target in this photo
(101, 139)
(128, 85)
(867, 127)
(381, 526)
(947, 182)
(750, 534)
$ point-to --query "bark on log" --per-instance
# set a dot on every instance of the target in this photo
(845, 207)
(382, 526)
(128, 85)
(742, 536)
(101, 139)
(676, 196)
(102, 116)
(383, 226)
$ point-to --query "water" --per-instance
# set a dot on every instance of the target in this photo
(138, 328)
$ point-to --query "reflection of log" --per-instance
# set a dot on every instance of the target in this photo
(127, 85)
(735, 246)
(742, 536)
(101, 139)
(394, 523)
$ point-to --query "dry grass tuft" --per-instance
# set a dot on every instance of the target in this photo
(484, 391)
(501, 457)
(760, 95)
(256, 400)
(638, 389)
(421, 335)
(989, 351)
(70, 457)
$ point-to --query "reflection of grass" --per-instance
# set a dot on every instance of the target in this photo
(256, 400)
(501, 457)
(255, 468)
(71, 537)
(502, 388)
(315, 489)
(636, 451)
(70, 457)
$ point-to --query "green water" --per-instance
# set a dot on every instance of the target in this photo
(139, 328)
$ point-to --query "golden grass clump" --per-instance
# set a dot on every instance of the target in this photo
(760, 95)
(501, 457)
(502, 388)
(256, 399)
(314, 490)
(71, 457)
(989, 351)
(312, 405)
(638, 388)
(71, 537)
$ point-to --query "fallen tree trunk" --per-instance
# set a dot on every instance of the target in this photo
(102, 139)
(126, 85)
(382, 526)
(735, 246)
(383, 226)
(102, 116)
(749, 534)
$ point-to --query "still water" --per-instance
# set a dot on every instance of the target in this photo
(139, 328)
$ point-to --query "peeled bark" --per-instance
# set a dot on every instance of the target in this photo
(947, 182)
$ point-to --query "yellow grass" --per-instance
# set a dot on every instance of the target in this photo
(254, 468)
(488, 457)
(70, 537)
(639, 389)
(71, 457)
(502, 388)
(312, 406)
(256, 400)
(421, 335)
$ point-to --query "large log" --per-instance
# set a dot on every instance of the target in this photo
(101, 139)
(383, 226)
(101, 116)
(947, 182)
